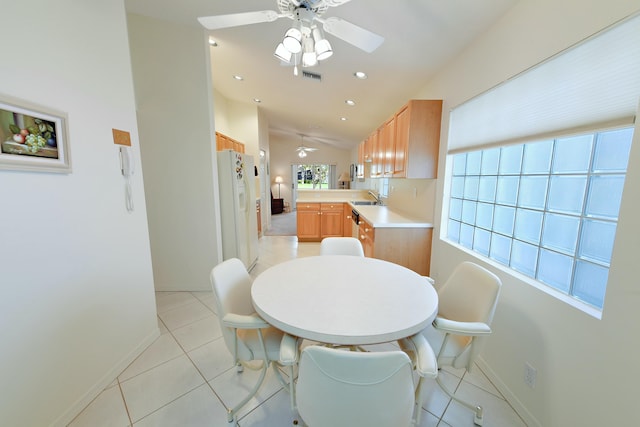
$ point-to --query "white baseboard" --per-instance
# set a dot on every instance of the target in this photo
(73, 411)
(522, 411)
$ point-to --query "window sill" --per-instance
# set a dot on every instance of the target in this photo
(575, 303)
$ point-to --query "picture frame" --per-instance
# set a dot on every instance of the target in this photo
(32, 137)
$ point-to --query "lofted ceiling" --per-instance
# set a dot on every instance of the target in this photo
(420, 37)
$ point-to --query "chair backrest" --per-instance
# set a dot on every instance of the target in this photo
(469, 295)
(341, 246)
(231, 285)
(337, 387)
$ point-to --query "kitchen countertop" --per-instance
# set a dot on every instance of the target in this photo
(383, 217)
(378, 216)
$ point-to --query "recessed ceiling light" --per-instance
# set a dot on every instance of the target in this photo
(344, 119)
(237, 77)
(360, 75)
(350, 102)
(213, 43)
(256, 100)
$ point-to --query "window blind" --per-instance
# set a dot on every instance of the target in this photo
(593, 84)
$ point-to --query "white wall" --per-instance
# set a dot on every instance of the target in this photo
(77, 300)
(587, 368)
(173, 91)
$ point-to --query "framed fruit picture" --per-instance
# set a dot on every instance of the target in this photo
(32, 137)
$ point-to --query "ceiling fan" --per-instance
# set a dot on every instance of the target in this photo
(304, 42)
(302, 151)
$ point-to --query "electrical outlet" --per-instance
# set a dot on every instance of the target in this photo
(530, 374)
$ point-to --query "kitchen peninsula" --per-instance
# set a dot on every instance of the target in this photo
(385, 233)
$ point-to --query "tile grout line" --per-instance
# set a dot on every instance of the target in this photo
(126, 407)
(198, 369)
(166, 361)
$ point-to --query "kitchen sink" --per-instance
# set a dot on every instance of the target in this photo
(364, 202)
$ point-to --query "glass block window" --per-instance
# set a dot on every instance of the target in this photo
(547, 209)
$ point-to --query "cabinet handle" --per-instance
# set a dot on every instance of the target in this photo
(362, 237)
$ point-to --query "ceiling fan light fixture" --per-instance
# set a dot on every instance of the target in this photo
(293, 40)
(322, 46)
(309, 58)
(302, 154)
(323, 49)
(282, 53)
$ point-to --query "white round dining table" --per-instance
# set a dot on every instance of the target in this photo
(345, 300)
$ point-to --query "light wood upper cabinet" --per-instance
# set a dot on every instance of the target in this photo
(417, 139)
(376, 161)
(387, 147)
(406, 145)
(224, 142)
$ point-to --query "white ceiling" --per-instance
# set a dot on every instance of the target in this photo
(420, 37)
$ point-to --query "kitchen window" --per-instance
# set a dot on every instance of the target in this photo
(316, 176)
(539, 162)
(546, 209)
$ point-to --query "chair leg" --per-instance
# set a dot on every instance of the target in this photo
(232, 412)
(478, 412)
(417, 407)
(289, 386)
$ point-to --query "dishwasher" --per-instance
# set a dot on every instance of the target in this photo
(355, 217)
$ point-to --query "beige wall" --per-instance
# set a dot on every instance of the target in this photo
(178, 151)
(77, 302)
(587, 368)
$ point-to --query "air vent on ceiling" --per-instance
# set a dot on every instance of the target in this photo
(312, 76)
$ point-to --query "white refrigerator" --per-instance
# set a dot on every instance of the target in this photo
(236, 180)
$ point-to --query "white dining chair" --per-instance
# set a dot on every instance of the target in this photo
(341, 246)
(466, 304)
(247, 336)
(337, 387)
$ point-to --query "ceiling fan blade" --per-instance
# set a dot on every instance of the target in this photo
(334, 3)
(238, 19)
(351, 33)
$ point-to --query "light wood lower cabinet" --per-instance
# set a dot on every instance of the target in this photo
(308, 222)
(409, 247)
(347, 222)
(315, 221)
(331, 220)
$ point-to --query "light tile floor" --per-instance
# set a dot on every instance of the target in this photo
(186, 377)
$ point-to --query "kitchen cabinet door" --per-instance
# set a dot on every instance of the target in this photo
(367, 238)
(417, 139)
(376, 154)
(347, 222)
(331, 220)
(223, 142)
(308, 221)
(387, 147)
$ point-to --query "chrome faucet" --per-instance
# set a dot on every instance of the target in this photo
(376, 196)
